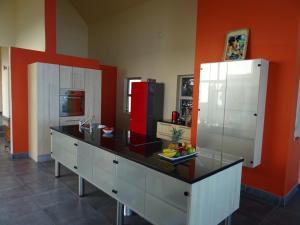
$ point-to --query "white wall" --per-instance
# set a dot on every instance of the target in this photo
(30, 24)
(155, 39)
(7, 22)
(72, 31)
(22, 24)
(5, 58)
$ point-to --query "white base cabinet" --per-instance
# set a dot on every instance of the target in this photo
(159, 198)
(164, 131)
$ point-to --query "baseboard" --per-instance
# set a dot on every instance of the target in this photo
(44, 158)
(270, 197)
(285, 200)
(19, 156)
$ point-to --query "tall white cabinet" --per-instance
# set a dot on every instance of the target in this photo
(231, 111)
(93, 94)
(44, 83)
(43, 107)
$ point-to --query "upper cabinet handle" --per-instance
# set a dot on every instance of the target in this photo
(255, 114)
(186, 193)
(75, 144)
(115, 162)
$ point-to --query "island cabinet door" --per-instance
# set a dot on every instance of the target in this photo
(104, 171)
(85, 160)
(131, 196)
(131, 184)
(64, 150)
(159, 212)
(168, 189)
(56, 150)
(131, 172)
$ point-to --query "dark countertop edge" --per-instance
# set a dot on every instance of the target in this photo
(170, 122)
(153, 167)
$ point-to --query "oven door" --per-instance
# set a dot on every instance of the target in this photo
(71, 106)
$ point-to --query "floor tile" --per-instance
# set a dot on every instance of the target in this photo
(71, 211)
(36, 218)
(53, 197)
(14, 193)
(282, 216)
(10, 182)
(17, 208)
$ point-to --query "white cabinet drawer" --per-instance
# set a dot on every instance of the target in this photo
(161, 213)
(163, 136)
(167, 189)
(131, 172)
(186, 131)
(104, 161)
(164, 128)
(131, 196)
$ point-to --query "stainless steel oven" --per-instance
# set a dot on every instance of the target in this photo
(71, 103)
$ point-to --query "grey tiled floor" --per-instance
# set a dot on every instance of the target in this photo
(30, 195)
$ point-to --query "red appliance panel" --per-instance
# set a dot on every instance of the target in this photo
(139, 103)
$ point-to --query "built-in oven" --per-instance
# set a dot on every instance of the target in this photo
(71, 103)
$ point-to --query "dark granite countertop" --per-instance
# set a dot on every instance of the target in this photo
(144, 150)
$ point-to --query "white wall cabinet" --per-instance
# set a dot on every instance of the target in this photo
(93, 94)
(231, 112)
(43, 107)
(71, 77)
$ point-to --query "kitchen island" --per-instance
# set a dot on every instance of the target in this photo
(201, 191)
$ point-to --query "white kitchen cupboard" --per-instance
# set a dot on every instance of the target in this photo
(93, 94)
(159, 198)
(164, 131)
(232, 97)
(71, 77)
(43, 107)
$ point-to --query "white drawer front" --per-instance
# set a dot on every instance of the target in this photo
(161, 213)
(131, 196)
(164, 128)
(103, 161)
(164, 136)
(168, 189)
(131, 172)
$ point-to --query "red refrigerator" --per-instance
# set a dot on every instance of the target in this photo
(147, 100)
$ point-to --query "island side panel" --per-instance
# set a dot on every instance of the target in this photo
(216, 197)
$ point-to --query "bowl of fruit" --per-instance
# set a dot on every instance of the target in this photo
(176, 152)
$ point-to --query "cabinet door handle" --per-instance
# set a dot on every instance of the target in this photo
(114, 191)
(186, 193)
(115, 162)
(255, 114)
(75, 144)
(75, 167)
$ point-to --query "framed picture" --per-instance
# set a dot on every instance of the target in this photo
(236, 45)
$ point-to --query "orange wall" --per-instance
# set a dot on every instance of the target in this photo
(20, 58)
(274, 27)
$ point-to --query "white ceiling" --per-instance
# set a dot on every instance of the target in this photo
(94, 10)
